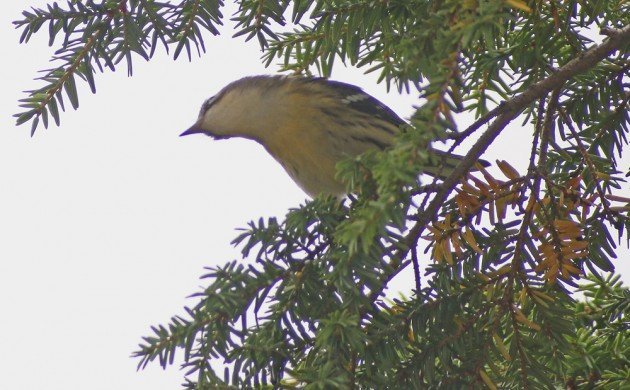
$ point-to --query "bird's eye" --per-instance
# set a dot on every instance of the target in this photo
(208, 103)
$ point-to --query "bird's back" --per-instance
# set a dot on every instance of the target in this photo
(326, 123)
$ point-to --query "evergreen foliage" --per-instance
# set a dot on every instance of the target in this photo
(509, 251)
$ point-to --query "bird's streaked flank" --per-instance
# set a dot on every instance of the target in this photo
(307, 124)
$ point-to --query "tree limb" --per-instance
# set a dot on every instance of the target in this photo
(513, 107)
(505, 113)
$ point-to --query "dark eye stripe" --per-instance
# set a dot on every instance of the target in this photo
(208, 103)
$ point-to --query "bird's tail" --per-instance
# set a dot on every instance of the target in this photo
(442, 163)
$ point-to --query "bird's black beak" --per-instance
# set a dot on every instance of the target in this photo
(194, 129)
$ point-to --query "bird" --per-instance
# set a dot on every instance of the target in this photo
(308, 124)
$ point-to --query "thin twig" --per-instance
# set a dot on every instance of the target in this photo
(416, 268)
(537, 132)
(591, 167)
(535, 187)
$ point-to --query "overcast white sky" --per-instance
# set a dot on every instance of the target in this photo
(107, 221)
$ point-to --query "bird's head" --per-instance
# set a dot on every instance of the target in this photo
(244, 108)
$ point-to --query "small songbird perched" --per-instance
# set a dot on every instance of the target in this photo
(307, 124)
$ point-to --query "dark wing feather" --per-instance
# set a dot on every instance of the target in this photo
(361, 101)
